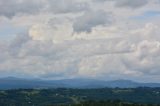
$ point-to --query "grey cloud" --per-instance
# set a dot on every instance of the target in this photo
(62, 68)
(4, 51)
(101, 0)
(89, 48)
(17, 43)
(126, 3)
(69, 49)
(130, 3)
(44, 58)
(91, 19)
(10, 8)
(66, 6)
(96, 55)
(80, 58)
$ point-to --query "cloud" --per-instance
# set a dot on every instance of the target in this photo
(52, 29)
(10, 8)
(67, 6)
(115, 58)
(145, 59)
(79, 38)
(147, 31)
(91, 19)
(131, 3)
(46, 58)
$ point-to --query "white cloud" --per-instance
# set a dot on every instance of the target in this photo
(52, 30)
(145, 58)
(78, 38)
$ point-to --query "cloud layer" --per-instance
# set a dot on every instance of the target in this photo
(107, 39)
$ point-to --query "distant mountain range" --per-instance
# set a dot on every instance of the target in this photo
(16, 83)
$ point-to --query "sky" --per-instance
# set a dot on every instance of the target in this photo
(95, 39)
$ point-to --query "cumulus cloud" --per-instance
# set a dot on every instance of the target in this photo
(10, 8)
(91, 19)
(79, 38)
(46, 58)
(52, 30)
(146, 57)
(66, 6)
(131, 3)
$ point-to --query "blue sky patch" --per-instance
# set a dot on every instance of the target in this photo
(147, 15)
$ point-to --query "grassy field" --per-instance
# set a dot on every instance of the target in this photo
(64, 96)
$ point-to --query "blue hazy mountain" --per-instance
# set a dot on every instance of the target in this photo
(16, 83)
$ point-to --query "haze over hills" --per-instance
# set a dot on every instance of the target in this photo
(16, 83)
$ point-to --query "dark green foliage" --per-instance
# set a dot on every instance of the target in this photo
(80, 97)
(108, 103)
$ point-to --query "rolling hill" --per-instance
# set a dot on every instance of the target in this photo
(16, 83)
